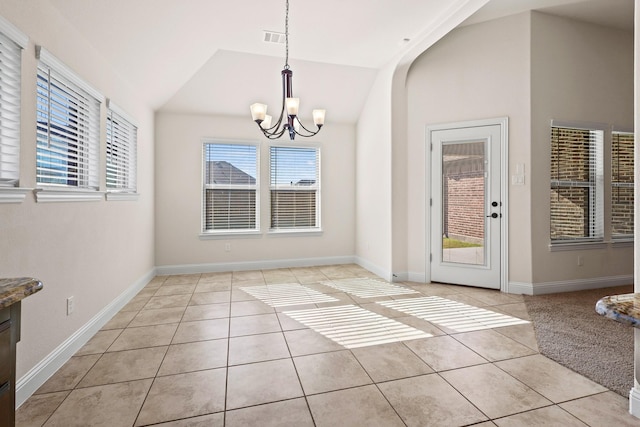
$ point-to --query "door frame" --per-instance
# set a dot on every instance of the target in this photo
(503, 122)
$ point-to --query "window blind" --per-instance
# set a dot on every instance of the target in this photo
(576, 184)
(622, 183)
(295, 187)
(121, 158)
(68, 128)
(230, 199)
(10, 75)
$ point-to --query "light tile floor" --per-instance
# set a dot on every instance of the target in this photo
(197, 350)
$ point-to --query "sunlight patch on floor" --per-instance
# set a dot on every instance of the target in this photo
(368, 288)
(452, 314)
(282, 295)
(354, 327)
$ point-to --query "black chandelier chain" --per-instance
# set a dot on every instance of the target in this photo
(286, 37)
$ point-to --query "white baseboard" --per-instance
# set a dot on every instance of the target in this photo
(634, 402)
(380, 272)
(519, 288)
(417, 277)
(41, 372)
(400, 277)
(569, 285)
(252, 265)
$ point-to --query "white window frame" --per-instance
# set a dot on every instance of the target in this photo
(226, 233)
(596, 188)
(302, 231)
(12, 43)
(88, 181)
(121, 154)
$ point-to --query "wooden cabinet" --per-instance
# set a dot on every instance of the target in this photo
(12, 292)
(9, 336)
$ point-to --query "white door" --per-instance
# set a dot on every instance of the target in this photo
(466, 210)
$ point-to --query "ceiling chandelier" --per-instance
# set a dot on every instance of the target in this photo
(288, 122)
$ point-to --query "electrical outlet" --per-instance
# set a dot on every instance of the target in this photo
(70, 306)
(227, 247)
(580, 261)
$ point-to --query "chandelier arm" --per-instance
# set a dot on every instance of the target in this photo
(307, 136)
(310, 131)
(274, 127)
(274, 135)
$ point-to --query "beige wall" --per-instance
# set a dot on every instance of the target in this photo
(634, 408)
(532, 68)
(373, 178)
(179, 186)
(475, 72)
(92, 251)
(580, 72)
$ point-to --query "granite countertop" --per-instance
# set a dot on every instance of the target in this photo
(17, 289)
(623, 308)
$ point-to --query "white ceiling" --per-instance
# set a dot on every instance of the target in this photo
(208, 56)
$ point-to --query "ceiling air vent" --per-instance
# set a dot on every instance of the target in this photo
(273, 37)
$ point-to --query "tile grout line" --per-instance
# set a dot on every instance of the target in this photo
(226, 368)
(295, 368)
(163, 358)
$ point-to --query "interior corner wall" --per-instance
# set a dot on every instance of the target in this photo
(400, 178)
(580, 73)
(94, 251)
(475, 72)
(373, 244)
(179, 140)
(637, 167)
(634, 407)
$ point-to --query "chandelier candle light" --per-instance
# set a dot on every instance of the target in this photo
(291, 122)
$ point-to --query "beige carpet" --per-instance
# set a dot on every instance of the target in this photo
(570, 332)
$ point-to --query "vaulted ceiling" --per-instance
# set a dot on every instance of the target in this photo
(209, 56)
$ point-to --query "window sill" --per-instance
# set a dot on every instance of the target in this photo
(51, 195)
(116, 196)
(13, 194)
(296, 232)
(558, 247)
(254, 234)
(622, 243)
